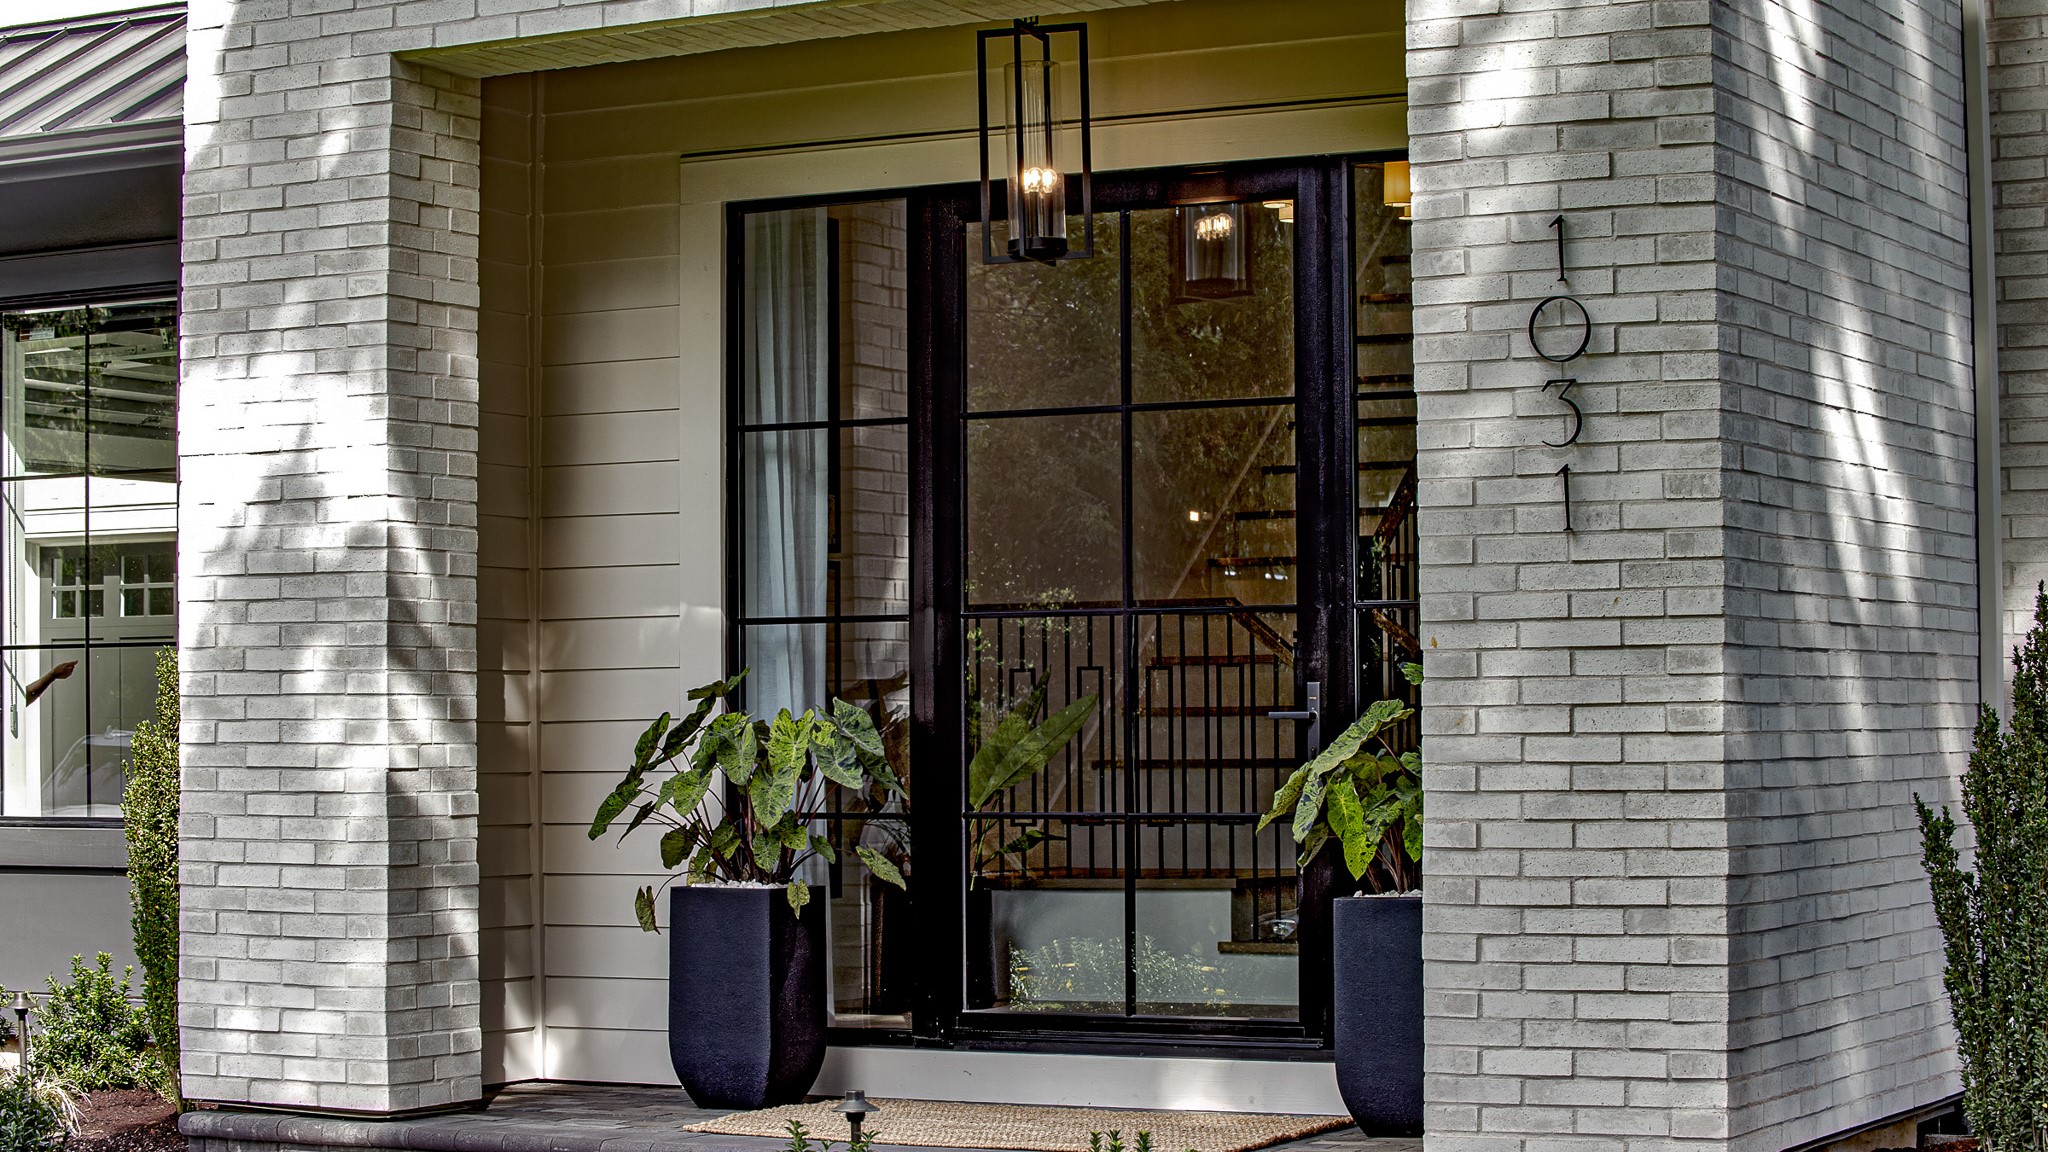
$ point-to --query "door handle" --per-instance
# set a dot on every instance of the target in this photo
(1313, 714)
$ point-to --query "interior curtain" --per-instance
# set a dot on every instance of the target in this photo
(787, 377)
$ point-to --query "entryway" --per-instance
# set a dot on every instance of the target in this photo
(1151, 509)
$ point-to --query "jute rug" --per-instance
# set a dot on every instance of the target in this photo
(1028, 1128)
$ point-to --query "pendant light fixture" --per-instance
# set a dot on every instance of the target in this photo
(1038, 150)
(1211, 251)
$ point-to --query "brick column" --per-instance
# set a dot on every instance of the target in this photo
(1672, 893)
(328, 557)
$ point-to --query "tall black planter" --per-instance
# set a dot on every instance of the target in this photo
(746, 995)
(984, 955)
(1377, 1011)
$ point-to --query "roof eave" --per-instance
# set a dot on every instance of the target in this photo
(97, 149)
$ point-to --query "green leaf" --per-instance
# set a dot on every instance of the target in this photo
(640, 817)
(1025, 841)
(681, 733)
(614, 803)
(1042, 743)
(1317, 837)
(684, 791)
(787, 743)
(799, 894)
(724, 840)
(858, 726)
(676, 844)
(772, 793)
(1347, 820)
(719, 688)
(1412, 673)
(880, 866)
(1309, 810)
(740, 748)
(643, 909)
(823, 847)
(985, 769)
(839, 759)
(880, 769)
(1285, 799)
(649, 741)
(701, 864)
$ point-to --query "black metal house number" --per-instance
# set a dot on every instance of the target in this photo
(1562, 341)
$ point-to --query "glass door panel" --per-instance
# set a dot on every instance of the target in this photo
(1137, 544)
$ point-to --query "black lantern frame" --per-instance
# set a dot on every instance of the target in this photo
(1016, 123)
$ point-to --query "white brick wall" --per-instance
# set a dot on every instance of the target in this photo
(2019, 124)
(1845, 278)
(1671, 900)
(329, 438)
(1674, 897)
(328, 543)
(1575, 904)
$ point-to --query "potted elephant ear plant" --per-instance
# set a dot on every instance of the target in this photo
(746, 940)
(1361, 800)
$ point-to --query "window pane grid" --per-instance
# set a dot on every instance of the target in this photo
(88, 437)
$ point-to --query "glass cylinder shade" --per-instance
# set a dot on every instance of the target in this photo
(1211, 252)
(1037, 177)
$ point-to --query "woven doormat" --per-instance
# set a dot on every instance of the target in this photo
(1029, 1128)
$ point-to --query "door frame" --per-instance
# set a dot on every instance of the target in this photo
(1321, 188)
(1326, 532)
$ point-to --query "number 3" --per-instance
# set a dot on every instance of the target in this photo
(1578, 417)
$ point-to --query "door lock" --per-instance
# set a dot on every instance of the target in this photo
(1313, 714)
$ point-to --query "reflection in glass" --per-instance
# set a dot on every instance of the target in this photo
(1231, 339)
(1213, 505)
(824, 524)
(1220, 915)
(1044, 510)
(1044, 336)
(88, 471)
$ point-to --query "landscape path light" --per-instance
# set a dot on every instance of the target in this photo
(856, 1108)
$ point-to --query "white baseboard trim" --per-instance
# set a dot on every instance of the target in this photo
(1302, 1087)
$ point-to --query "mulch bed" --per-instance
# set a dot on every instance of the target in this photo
(126, 1120)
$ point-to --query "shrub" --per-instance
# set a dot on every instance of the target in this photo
(34, 1114)
(90, 1035)
(6, 1016)
(150, 810)
(1993, 919)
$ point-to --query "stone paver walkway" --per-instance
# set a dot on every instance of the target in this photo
(560, 1118)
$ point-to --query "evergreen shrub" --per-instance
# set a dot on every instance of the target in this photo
(31, 1115)
(150, 810)
(1994, 918)
(88, 1034)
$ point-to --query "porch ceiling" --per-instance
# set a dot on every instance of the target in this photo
(620, 31)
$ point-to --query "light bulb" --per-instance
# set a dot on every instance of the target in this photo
(1037, 181)
(1215, 226)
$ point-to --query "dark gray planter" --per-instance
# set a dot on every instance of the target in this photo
(1377, 1016)
(746, 995)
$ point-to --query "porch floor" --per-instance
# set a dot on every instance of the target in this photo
(554, 1117)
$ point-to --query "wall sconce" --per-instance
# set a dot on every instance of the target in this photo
(1211, 252)
(1041, 150)
(1394, 188)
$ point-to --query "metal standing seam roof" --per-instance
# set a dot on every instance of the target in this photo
(93, 72)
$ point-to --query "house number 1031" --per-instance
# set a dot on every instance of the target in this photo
(1560, 328)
